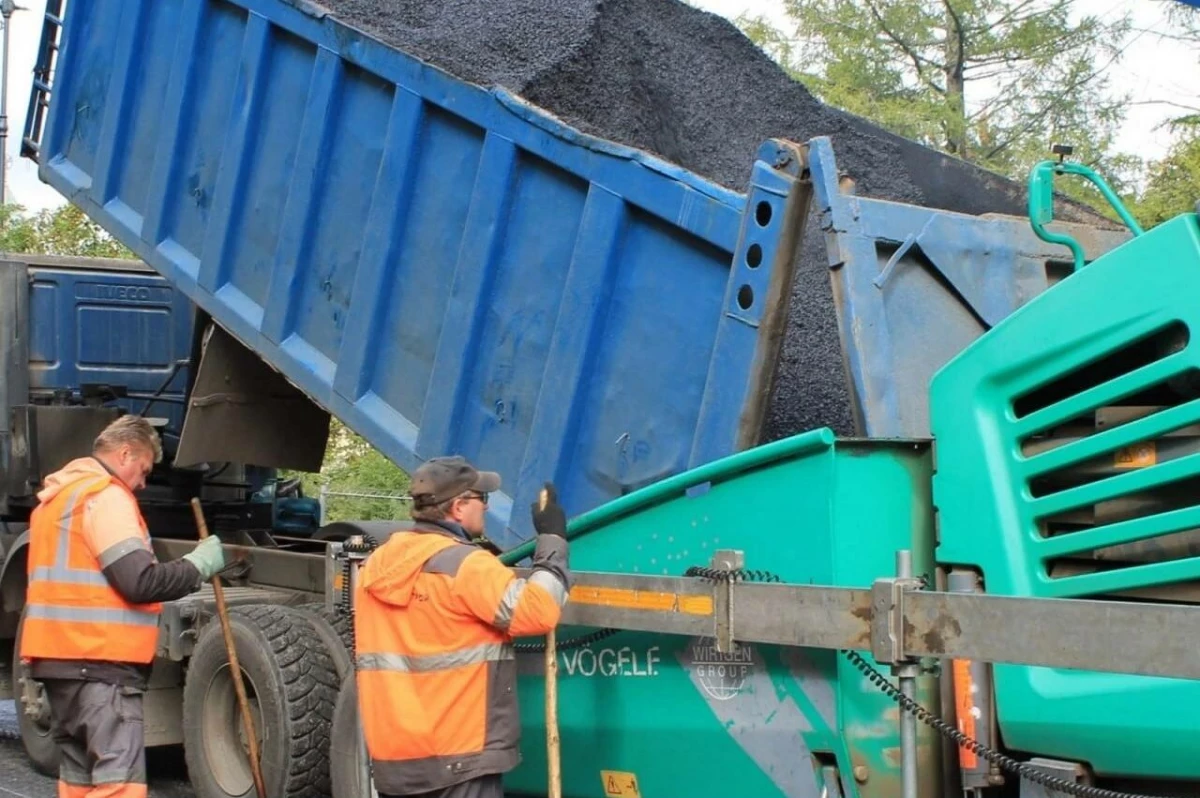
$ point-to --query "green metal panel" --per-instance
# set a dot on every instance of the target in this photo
(1055, 478)
(765, 720)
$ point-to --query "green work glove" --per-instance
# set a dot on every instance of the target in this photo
(208, 557)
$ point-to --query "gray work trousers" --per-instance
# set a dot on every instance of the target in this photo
(100, 729)
(483, 787)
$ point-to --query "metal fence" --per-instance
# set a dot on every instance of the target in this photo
(326, 494)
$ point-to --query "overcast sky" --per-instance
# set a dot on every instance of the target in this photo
(1153, 68)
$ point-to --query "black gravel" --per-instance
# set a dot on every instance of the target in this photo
(687, 86)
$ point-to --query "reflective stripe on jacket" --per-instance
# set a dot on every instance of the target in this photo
(434, 621)
(71, 610)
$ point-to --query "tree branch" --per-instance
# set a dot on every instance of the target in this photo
(1004, 20)
(1059, 97)
(1171, 103)
(916, 57)
(1175, 37)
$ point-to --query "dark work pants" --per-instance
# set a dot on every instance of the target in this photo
(100, 729)
(482, 787)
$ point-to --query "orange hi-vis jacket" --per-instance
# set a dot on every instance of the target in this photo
(71, 611)
(434, 622)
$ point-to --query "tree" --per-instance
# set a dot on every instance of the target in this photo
(990, 81)
(60, 231)
(1172, 184)
(353, 466)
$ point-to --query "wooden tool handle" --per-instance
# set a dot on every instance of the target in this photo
(552, 740)
(235, 669)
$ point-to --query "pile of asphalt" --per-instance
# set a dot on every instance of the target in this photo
(687, 86)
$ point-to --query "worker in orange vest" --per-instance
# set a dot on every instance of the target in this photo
(435, 615)
(90, 625)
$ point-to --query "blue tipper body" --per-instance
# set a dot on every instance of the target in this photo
(443, 267)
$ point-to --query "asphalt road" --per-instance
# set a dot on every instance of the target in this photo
(166, 770)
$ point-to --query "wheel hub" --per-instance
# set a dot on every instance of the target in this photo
(226, 746)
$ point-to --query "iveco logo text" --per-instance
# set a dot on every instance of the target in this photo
(110, 292)
(136, 293)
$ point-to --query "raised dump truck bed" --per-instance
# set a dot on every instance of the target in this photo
(448, 269)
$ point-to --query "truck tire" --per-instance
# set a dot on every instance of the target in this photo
(349, 768)
(335, 631)
(39, 745)
(291, 684)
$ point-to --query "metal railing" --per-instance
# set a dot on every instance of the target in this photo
(325, 494)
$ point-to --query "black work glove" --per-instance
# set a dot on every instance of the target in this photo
(549, 520)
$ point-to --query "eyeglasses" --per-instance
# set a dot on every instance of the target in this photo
(483, 497)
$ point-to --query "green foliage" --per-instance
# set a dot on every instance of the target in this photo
(353, 466)
(60, 231)
(1172, 184)
(994, 82)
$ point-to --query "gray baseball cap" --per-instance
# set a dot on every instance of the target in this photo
(442, 478)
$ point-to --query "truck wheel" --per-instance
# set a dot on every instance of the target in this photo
(291, 685)
(39, 745)
(349, 768)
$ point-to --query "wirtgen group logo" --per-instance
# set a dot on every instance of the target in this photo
(722, 676)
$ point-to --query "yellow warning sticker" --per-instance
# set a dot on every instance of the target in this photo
(1139, 455)
(619, 784)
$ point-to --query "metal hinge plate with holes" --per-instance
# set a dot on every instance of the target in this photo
(725, 560)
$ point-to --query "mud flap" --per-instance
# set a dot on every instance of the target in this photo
(241, 410)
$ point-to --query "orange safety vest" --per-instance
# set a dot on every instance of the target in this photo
(436, 669)
(71, 610)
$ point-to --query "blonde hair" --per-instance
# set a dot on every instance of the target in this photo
(129, 430)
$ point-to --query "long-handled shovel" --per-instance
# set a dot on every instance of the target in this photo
(552, 741)
(236, 670)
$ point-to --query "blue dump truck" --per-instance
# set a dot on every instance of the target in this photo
(336, 227)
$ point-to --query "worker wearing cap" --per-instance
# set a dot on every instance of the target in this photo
(435, 615)
(90, 624)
